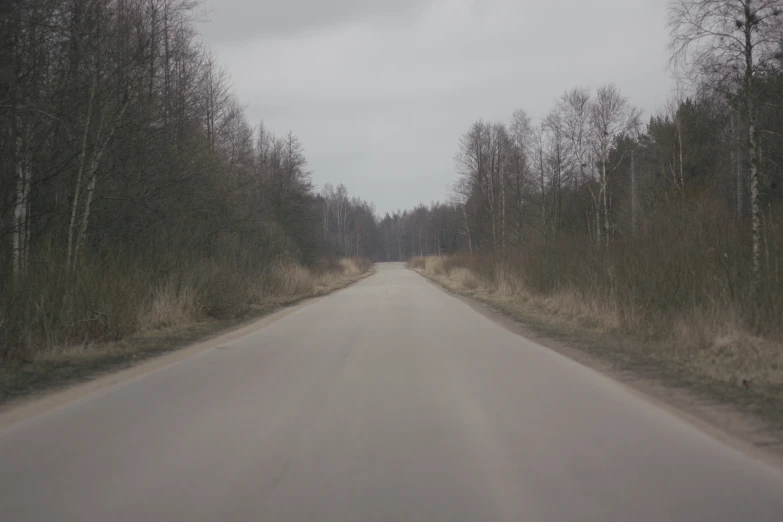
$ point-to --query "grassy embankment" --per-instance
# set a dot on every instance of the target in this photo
(672, 326)
(58, 331)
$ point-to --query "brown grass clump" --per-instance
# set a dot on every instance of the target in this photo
(716, 343)
(508, 283)
(434, 265)
(350, 267)
(683, 305)
(464, 278)
(417, 263)
(570, 304)
(112, 299)
(172, 304)
(288, 280)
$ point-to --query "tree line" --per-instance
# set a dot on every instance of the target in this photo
(679, 209)
(123, 147)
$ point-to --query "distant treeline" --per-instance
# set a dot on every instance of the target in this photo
(125, 157)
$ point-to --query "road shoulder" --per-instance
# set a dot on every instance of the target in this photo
(165, 351)
(715, 411)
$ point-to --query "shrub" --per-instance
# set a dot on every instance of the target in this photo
(172, 304)
(684, 284)
(434, 265)
(350, 267)
(465, 278)
(115, 296)
(417, 263)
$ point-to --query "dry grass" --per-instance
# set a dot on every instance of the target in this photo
(464, 278)
(288, 280)
(113, 315)
(113, 300)
(189, 299)
(351, 267)
(172, 305)
(435, 264)
(716, 343)
(587, 312)
(712, 342)
(417, 263)
(508, 283)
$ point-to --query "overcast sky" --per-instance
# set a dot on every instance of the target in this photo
(380, 91)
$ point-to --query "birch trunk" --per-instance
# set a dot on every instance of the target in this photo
(738, 162)
(93, 172)
(633, 194)
(28, 167)
(491, 196)
(80, 173)
(21, 219)
(682, 166)
(604, 195)
(467, 228)
(755, 194)
(502, 213)
(753, 150)
(544, 216)
(595, 218)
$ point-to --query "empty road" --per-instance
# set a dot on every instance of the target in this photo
(388, 401)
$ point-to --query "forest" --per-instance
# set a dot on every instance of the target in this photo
(666, 227)
(131, 181)
(204, 316)
(134, 193)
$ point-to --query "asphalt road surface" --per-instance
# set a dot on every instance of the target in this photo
(388, 401)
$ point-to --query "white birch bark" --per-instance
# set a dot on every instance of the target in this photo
(681, 156)
(467, 228)
(753, 148)
(634, 210)
(93, 172)
(20, 209)
(80, 173)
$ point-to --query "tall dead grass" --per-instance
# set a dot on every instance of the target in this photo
(684, 288)
(115, 297)
(417, 263)
(171, 305)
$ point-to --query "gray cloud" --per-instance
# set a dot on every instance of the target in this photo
(380, 95)
(237, 20)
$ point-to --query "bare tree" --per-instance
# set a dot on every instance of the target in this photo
(674, 110)
(574, 106)
(727, 45)
(611, 116)
(522, 137)
(557, 159)
(215, 97)
(471, 165)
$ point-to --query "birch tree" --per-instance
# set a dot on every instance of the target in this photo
(521, 164)
(471, 165)
(727, 45)
(574, 106)
(107, 104)
(557, 162)
(611, 116)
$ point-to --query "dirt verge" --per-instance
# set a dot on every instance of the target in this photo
(63, 376)
(750, 421)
